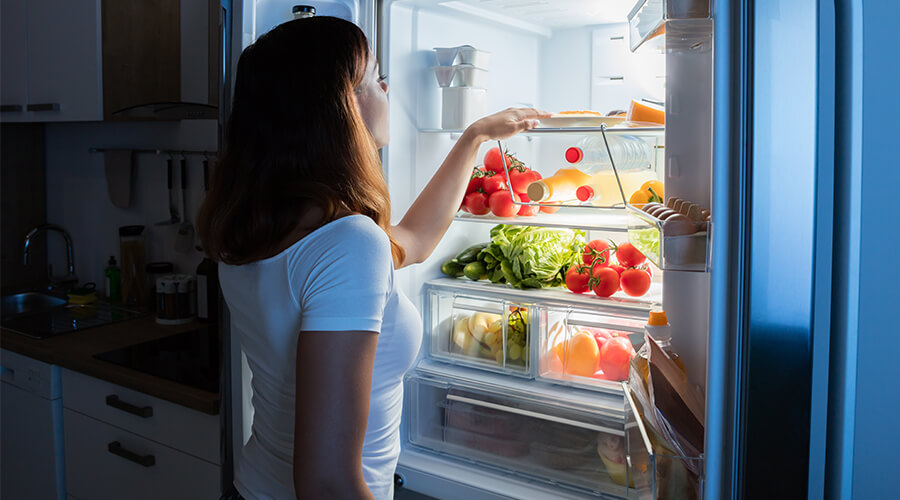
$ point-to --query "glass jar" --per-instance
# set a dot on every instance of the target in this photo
(131, 253)
(155, 270)
(303, 11)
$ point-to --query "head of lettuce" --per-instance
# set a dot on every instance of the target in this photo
(535, 257)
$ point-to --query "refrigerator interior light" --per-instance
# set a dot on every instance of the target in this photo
(490, 15)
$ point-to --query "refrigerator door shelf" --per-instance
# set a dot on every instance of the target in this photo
(516, 433)
(675, 252)
(568, 353)
(489, 333)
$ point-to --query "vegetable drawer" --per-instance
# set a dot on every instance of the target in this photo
(587, 348)
(548, 434)
(487, 332)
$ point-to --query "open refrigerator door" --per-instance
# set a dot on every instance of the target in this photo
(510, 396)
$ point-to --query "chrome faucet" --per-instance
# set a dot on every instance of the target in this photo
(69, 280)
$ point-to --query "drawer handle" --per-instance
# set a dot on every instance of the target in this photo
(10, 108)
(49, 106)
(141, 411)
(116, 449)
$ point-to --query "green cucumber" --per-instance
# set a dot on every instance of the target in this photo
(470, 254)
(475, 271)
(452, 268)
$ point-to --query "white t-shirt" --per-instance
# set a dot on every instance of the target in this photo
(338, 278)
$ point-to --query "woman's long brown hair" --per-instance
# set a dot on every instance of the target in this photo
(295, 134)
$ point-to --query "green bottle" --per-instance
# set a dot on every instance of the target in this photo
(113, 280)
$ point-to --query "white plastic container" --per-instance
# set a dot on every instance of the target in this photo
(467, 54)
(446, 56)
(444, 75)
(461, 106)
(468, 75)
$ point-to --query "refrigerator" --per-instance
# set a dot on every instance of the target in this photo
(755, 343)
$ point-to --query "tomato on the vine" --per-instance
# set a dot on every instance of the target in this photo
(527, 210)
(477, 203)
(577, 278)
(501, 204)
(597, 250)
(549, 209)
(604, 281)
(521, 177)
(493, 183)
(635, 282)
(492, 160)
(629, 256)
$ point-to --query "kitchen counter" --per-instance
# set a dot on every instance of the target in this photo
(75, 351)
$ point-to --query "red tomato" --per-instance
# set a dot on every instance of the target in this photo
(597, 250)
(647, 268)
(477, 203)
(635, 282)
(604, 281)
(501, 204)
(521, 177)
(577, 279)
(615, 357)
(462, 206)
(629, 256)
(493, 183)
(547, 209)
(475, 182)
(599, 375)
(527, 210)
(493, 162)
(601, 336)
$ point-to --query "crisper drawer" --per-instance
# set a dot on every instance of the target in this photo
(105, 462)
(174, 425)
(543, 436)
(587, 348)
(488, 332)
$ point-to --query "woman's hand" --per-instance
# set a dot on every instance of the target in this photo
(505, 124)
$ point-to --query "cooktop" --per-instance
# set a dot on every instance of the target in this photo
(190, 358)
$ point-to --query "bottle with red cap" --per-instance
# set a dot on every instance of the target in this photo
(632, 157)
(590, 156)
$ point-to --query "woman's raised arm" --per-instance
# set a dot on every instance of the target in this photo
(430, 215)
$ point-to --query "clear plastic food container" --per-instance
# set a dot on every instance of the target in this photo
(546, 436)
(585, 348)
(485, 332)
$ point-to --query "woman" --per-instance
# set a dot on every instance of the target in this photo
(298, 216)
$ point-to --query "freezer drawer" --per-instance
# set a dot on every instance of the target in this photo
(573, 346)
(487, 332)
(558, 441)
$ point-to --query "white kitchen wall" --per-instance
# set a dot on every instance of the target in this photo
(77, 195)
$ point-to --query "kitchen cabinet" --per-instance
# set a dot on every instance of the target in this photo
(31, 455)
(51, 60)
(85, 60)
(121, 443)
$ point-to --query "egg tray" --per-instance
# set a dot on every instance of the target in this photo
(675, 252)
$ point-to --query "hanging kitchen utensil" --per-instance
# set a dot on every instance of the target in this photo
(185, 238)
(174, 218)
(198, 246)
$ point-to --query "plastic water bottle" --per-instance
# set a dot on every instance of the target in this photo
(629, 152)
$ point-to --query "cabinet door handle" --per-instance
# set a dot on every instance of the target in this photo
(12, 108)
(49, 106)
(141, 411)
(116, 449)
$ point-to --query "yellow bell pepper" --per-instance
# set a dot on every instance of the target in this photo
(650, 191)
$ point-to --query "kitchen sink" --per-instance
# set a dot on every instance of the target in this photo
(29, 302)
(40, 316)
